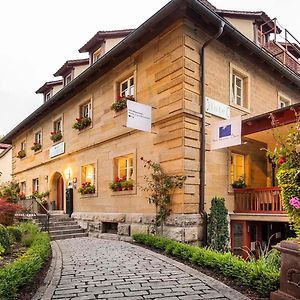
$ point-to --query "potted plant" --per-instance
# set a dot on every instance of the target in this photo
(56, 136)
(121, 103)
(82, 122)
(121, 184)
(21, 154)
(36, 147)
(239, 184)
(87, 188)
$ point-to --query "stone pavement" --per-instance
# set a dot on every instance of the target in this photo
(90, 268)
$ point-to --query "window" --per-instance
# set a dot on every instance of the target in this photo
(237, 167)
(23, 187)
(124, 167)
(86, 110)
(47, 96)
(88, 174)
(283, 101)
(239, 87)
(57, 125)
(97, 54)
(68, 79)
(38, 137)
(35, 185)
(127, 87)
(23, 146)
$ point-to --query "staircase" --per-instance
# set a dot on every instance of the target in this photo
(62, 227)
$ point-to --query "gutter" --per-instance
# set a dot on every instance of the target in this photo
(202, 131)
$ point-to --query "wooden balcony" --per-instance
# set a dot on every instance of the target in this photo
(266, 200)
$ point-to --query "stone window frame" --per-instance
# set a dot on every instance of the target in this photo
(34, 180)
(245, 76)
(86, 100)
(130, 72)
(40, 130)
(96, 178)
(113, 156)
(281, 97)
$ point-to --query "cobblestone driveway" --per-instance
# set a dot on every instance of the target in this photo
(89, 268)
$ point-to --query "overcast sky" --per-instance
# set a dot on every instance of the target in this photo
(37, 37)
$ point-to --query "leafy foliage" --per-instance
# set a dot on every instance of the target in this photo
(4, 239)
(121, 184)
(161, 186)
(87, 188)
(218, 235)
(10, 191)
(255, 274)
(82, 123)
(7, 212)
(240, 183)
(121, 103)
(56, 136)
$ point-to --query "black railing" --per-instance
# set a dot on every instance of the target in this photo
(34, 210)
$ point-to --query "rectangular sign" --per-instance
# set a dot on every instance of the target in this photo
(139, 116)
(226, 133)
(217, 108)
(57, 149)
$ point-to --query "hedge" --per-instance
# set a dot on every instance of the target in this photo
(255, 274)
(21, 272)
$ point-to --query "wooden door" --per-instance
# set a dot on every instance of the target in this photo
(60, 194)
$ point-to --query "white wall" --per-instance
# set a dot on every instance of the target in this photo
(5, 166)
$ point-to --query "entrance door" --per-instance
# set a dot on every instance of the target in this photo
(60, 193)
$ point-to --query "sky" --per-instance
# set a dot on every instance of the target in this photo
(38, 36)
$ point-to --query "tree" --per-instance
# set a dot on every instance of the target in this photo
(218, 235)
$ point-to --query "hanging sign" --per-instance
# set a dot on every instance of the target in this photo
(139, 116)
(217, 108)
(57, 149)
(226, 133)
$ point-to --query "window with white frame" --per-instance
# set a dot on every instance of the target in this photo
(88, 174)
(283, 101)
(237, 90)
(35, 185)
(124, 167)
(237, 167)
(38, 137)
(23, 146)
(23, 187)
(86, 110)
(57, 125)
(97, 54)
(68, 78)
(47, 96)
(127, 87)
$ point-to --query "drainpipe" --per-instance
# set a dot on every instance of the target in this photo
(202, 132)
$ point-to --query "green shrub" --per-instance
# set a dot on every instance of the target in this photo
(255, 274)
(15, 275)
(15, 234)
(2, 250)
(218, 235)
(4, 238)
(29, 231)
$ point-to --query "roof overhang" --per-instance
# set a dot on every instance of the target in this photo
(167, 15)
(48, 85)
(68, 66)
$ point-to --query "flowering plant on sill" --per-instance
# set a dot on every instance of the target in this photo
(36, 147)
(56, 136)
(121, 184)
(21, 154)
(240, 183)
(86, 188)
(121, 103)
(82, 122)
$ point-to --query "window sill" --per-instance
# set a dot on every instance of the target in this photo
(85, 129)
(124, 193)
(58, 142)
(86, 196)
(37, 152)
(244, 109)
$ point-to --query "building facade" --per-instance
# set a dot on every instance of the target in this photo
(5, 163)
(158, 64)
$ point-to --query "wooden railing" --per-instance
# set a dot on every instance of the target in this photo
(258, 200)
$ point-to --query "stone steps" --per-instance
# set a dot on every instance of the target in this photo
(68, 236)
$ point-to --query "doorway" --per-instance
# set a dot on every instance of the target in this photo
(57, 191)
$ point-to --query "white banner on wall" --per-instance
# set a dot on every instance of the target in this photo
(226, 133)
(139, 116)
(57, 149)
(217, 108)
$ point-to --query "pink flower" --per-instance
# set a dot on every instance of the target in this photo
(295, 202)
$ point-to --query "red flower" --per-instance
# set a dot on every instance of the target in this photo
(281, 160)
(78, 119)
(141, 158)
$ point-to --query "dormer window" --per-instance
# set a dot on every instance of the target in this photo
(97, 54)
(47, 96)
(68, 79)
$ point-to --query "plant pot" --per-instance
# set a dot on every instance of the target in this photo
(290, 271)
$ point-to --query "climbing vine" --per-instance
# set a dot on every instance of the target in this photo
(161, 187)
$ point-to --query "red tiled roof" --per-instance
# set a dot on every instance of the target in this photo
(48, 85)
(100, 36)
(69, 65)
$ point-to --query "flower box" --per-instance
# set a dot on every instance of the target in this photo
(36, 147)
(121, 103)
(56, 136)
(121, 184)
(87, 188)
(21, 154)
(82, 123)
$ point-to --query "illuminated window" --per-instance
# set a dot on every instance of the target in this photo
(124, 167)
(88, 174)
(127, 87)
(237, 167)
(35, 185)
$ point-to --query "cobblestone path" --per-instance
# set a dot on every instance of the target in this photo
(90, 268)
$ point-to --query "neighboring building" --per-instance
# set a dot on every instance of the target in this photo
(159, 65)
(5, 163)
